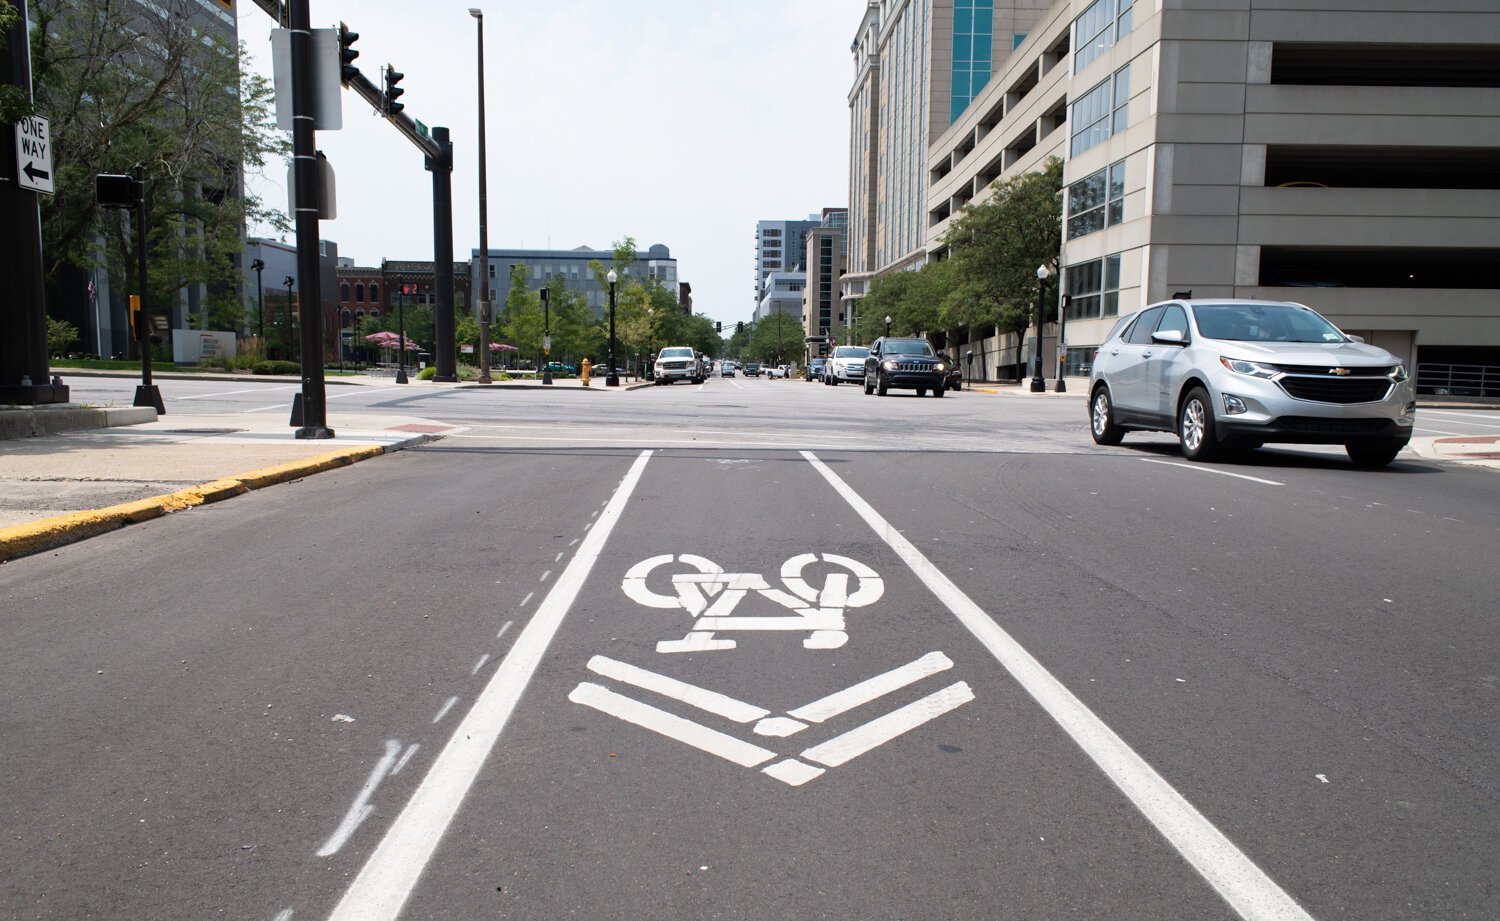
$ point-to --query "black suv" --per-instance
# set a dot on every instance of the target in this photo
(905, 363)
(752, 369)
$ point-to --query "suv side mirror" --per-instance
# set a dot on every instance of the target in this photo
(1355, 338)
(1169, 337)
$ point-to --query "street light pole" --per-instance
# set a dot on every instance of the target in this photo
(287, 339)
(484, 236)
(888, 325)
(401, 332)
(546, 336)
(258, 266)
(1038, 384)
(1062, 343)
(612, 379)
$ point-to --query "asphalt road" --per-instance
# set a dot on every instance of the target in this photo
(764, 650)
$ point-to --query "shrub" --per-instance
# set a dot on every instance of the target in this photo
(276, 367)
(427, 373)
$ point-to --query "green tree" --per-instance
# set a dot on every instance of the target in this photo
(123, 88)
(737, 347)
(60, 335)
(520, 319)
(777, 339)
(996, 246)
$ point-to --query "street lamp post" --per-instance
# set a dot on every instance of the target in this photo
(1062, 343)
(969, 356)
(1038, 384)
(401, 333)
(287, 339)
(546, 297)
(612, 379)
(258, 266)
(484, 236)
(887, 325)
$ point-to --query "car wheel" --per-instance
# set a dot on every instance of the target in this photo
(939, 391)
(1195, 427)
(869, 387)
(1102, 419)
(880, 386)
(1373, 454)
(832, 382)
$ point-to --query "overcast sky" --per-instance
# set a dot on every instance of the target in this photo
(680, 122)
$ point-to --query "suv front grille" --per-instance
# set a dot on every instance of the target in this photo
(1335, 426)
(1327, 389)
(918, 366)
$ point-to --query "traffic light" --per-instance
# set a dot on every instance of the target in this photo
(739, 327)
(347, 54)
(392, 91)
(718, 327)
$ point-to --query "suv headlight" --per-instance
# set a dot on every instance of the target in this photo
(889, 365)
(940, 367)
(1252, 368)
(1398, 373)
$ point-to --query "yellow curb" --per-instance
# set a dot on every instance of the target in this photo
(984, 390)
(61, 530)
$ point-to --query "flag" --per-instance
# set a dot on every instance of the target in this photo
(93, 290)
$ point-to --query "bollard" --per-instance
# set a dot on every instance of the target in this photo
(583, 372)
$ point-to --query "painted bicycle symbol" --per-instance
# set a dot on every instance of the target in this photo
(710, 595)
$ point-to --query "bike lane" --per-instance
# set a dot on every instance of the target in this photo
(751, 697)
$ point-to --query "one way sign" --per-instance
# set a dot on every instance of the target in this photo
(34, 154)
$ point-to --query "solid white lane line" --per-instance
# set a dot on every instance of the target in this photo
(670, 725)
(1202, 469)
(503, 629)
(866, 691)
(389, 875)
(480, 664)
(842, 749)
(443, 710)
(1247, 889)
(360, 809)
(1427, 431)
(1490, 418)
(702, 698)
(227, 393)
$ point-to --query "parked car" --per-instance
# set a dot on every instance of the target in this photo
(816, 368)
(752, 369)
(955, 374)
(678, 363)
(846, 364)
(1225, 374)
(905, 363)
(558, 367)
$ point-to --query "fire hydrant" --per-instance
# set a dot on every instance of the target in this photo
(584, 372)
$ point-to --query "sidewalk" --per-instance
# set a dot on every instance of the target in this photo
(62, 487)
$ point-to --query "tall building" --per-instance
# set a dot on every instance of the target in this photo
(779, 246)
(572, 266)
(1341, 158)
(783, 295)
(918, 66)
(823, 317)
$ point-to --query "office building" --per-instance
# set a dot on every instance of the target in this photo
(823, 318)
(572, 266)
(779, 247)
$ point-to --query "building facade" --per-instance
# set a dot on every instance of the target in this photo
(779, 247)
(1338, 157)
(572, 266)
(823, 317)
(783, 295)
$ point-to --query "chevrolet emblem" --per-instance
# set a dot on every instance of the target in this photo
(1341, 372)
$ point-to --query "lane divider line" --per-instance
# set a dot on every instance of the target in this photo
(360, 809)
(1202, 469)
(1237, 879)
(390, 874)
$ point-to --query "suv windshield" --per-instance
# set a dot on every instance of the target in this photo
(907, 347)
(1264, 323)
(851, 351)
(676, 353)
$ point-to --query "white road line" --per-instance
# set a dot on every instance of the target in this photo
(360, 809)
(504, 628)
(527, 600)
(702, 698)
(284, 915)
(1202, 469)
(545, 576)
(1491, 419)
(673, 727)
(388, 877)
(1427, 431)
(261, 409)
(1247, 889)
(480, 664)
(405, 757)
(228, 393)
(573, 542)
(558, 558)
(443, 710)
(842, 749)
(363, 392)
(866, 691)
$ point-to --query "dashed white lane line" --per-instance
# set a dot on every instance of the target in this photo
(573, 542)
(1237, 879)
(545, 576)
(558, 558)
(443, 710)
(504, 628)
(1202, 469)
(284, 915)
(389, 875)
(480, 664)
(230, 393)
(405, 757)
(527, 600)
(360, 809)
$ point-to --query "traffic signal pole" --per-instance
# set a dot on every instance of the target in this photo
(314, 415)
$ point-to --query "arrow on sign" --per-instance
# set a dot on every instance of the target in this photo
(34, 174)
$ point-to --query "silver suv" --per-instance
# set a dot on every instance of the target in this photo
(847, 364)
(1225, 374)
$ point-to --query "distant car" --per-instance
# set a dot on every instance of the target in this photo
(678, 363)
(783, 371)
(558, 367)
(726, 369)
(846, 365)
(752, 369)
(905, 363)
(816, 368)
(1226, 374)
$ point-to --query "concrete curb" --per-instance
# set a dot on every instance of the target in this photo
(61, 530)
(30, 422)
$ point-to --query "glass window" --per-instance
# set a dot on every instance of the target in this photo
(1122, 99)
(1098, 28)
(375, 293)
(1093, 288)
(1140, 331)
(1086, 205)
(1116, 193)
(1109, 299)
(344, 292)
(1079, 360)
(1097, 110)
(1174, 319)
(359, 293)
(1264, 323)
